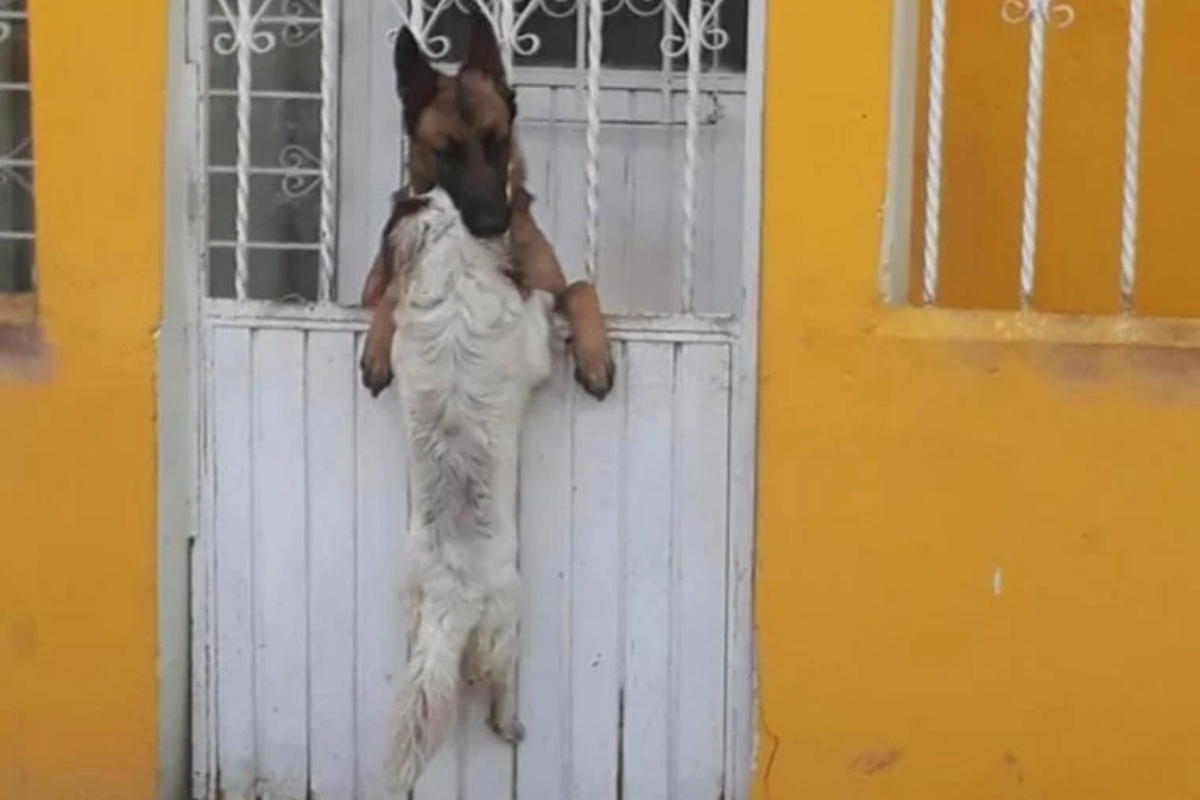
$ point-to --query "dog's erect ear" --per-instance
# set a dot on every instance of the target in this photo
(416, 80)
(483, 51)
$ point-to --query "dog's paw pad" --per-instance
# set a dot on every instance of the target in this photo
(375, 377)
(596, 380)
(511, 731)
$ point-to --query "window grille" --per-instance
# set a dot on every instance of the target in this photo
(631, 144)
(933, 146)
(17, 273)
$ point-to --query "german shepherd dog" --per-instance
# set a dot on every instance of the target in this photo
(471, 324)
(463, 139)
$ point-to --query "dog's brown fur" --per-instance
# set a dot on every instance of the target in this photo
(472, 115)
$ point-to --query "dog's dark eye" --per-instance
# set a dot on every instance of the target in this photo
(493, 143)
(452, 150)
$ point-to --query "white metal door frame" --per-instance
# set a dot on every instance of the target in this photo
(183, 386)
(180, 438)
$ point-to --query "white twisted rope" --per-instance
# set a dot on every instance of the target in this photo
(694, 41)
(933, 152)
(330, 61)
(594, 53)
(416, 18)
(1038, 13)
(1033, 143)
(245, 53)
(507, 19)
(1133, 128)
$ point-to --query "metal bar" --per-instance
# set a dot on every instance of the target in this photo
(695, 43)
(311, 316)
(1033, 143)
(595, 29)
(1133, 129)
(267, 94)
(243, 38)
(221, 169)
(233, 244)
(506, 22)
(416, 19)
(330, 67)
(933, 152)
(562, 77)
(274, 19)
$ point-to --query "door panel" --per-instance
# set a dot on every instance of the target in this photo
(624, 526)
(635, 512)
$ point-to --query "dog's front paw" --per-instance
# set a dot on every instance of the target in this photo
(594, 368)
(510, 730)
(596, 373)
(376, 373)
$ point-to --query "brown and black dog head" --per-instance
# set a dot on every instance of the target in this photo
(460, 127)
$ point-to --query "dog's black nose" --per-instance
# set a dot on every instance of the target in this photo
(489, 224)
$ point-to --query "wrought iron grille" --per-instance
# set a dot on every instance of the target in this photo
(942, 141)
(16, 152)
(285, 106)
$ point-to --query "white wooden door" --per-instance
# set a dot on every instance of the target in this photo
(636, 512)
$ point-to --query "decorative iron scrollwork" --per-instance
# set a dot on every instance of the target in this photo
(1058, 14)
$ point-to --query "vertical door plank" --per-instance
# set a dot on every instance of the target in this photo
(233, 582)
(654, 237)
(569, 160)
(280, 563)
(381, 509)
(724, 199)
(617, 146)
(595, 593)
(702, 428)
(487, 761)
(330, 383)
(545, 529)
(647, 516)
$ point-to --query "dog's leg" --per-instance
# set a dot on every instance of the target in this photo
(376, 362)
(495, 660)
(496, 648)
(503, 718)
(382, 298)
(594, 368)
(540, 269)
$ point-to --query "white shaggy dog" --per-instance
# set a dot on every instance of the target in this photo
(469, 350)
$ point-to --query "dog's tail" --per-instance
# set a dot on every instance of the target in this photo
(429, 699)
(453, 491)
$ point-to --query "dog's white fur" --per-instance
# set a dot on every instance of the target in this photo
(468, 353)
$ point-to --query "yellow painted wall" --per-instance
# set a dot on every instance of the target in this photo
(907, 458)
(77, 455)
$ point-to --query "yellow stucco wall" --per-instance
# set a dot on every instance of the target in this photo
(77, 455)
(908, 459)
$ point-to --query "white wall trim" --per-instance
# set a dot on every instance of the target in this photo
(894, 262)
(178, 382)
(742, 656)
(741, 659)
